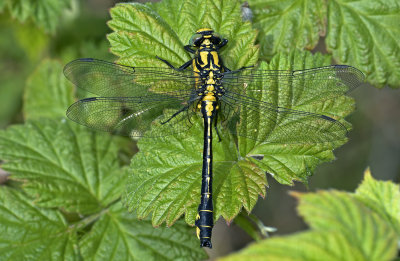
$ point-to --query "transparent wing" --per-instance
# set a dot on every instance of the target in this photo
(305, 84)
(277, 106)
(113, 80)
(134, 116)
(264, 121)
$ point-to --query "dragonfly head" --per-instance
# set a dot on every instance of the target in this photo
(205, 36)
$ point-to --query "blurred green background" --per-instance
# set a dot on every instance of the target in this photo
(81, 32)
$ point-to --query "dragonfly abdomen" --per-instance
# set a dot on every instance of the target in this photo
(205, 219)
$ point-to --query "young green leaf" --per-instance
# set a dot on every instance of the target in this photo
(47, 94)
(342, 228)
(28, 232)
(306, 246)
(342, 212)
(383, 197)
(119, 235)
(290, 24)
(46, 13)
(365, 34)
(63, 164)
(137, 27)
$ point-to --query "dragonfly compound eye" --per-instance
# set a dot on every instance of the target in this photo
(196, 40)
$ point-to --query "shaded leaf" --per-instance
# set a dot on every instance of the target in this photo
(63, 165)
(30, 233)
(34, 41)
(47, 93)
(119, 235)
(286, 25)
(45, 13)
(14, 67)
(2, 5)
(365, 35)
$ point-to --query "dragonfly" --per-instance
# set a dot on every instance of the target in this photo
(154, 102)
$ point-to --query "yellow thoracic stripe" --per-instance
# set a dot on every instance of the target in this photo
(203, 30)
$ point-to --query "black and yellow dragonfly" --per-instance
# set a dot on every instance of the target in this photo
(155, 102)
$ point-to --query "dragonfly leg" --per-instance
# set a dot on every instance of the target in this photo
(241, 69)
(189, 49)
(183, 67)
(226, 69)
(223, 43)
(215, 127)
(175, 114)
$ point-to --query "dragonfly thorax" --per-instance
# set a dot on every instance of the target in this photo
(207, 64)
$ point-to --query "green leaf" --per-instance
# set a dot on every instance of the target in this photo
(30, 233)
(342, 228)
(288, 162)
(166, 172)
(137, 27)
(2, 5)
(365, 35)
(62, 164)
(304, 246)
(249, 226)
(14, 67)
(169, 185)
(45, 13)
(166, 178)
(47, 93)
(289, 24)
(119, 235)
(33, 40)
(383, 197)
(341, 212)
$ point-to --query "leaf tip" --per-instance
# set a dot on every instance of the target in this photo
(367, 174)
(296, 194)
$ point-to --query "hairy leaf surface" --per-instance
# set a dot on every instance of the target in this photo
(29, 232)
(119, 235)
(63, 165)
(289, 24)
(365, 34)
(143, 32)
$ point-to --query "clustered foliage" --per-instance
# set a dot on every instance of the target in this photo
(72, 194)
